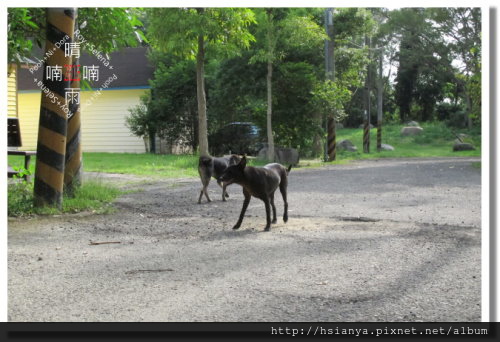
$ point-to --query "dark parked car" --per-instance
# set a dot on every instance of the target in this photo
(238, 138)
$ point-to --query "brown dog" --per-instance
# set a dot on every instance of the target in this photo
(209, 167)
(260, 182)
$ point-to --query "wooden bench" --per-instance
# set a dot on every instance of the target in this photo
(14, 141)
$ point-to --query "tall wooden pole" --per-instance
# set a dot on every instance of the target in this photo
(52, 129)
(330, 75)
(200, 93)
(269, 83)
(202, 101)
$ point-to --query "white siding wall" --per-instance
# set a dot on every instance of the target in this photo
(103, 121)
(12, 91)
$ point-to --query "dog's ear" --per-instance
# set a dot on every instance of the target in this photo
(243, 162)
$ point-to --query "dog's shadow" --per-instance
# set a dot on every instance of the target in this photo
(229, 233)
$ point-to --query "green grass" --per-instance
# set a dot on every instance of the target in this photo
(435, 141)
(92, 196)
(143, 164)
(165, 166)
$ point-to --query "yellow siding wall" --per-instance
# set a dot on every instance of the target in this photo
(11, 91)
(103, 121)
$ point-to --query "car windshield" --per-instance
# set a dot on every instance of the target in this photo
(254, 129)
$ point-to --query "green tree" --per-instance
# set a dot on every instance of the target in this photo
(107, 29)
(352, 25)
(239, 92)
(173, 104)
(290, 29)
(140, 122)
(462, 27)
(191, 33)
(329, 97)
(24, 26)
(424, 64)
(169, 111)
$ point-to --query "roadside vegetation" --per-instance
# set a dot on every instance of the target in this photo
(92, 196)
(435, 141)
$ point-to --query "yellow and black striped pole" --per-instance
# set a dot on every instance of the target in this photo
(52, 129)
(366, 135)
(73, 160)
(332, 143)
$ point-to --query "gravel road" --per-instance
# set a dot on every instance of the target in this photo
(377, 240)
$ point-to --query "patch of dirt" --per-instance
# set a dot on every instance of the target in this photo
(388, 240)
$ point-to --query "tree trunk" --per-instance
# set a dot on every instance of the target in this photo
(468, 105)
(317, 146)
(468, 120)
(270, 139)
(202, 103)
(152, 141)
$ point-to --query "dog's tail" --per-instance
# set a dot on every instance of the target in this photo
(288, 170)
(204, 161)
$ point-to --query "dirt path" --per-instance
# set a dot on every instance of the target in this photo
(388, 240)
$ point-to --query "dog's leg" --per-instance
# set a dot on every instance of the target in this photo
(268, 215)
(205, 175)
(243, 210)
(283, 194)
(223, 185)
(274, 208)
(205, 191)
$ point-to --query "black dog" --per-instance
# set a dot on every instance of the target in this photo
(209, 167)
(260, 182)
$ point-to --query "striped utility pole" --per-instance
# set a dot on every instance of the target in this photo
(366, 134)
(332, 136)
(52, 129)
(331, 147)
(73, 159)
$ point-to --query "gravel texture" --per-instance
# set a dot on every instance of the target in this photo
(377, 240)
